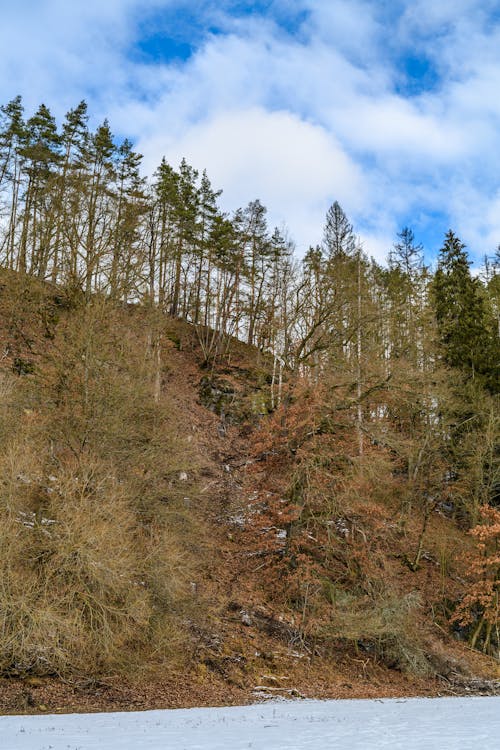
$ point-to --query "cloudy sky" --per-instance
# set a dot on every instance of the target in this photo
(391, 107)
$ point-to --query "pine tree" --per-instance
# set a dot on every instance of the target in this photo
(186, 214)
(162, 223)
(11, 135)
(129, 208)
(73, 138)
(258, 254)
(12, 139)
(203, 249)
(98, 175)
(41, 151)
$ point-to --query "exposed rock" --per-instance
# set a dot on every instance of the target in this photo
(233, 405)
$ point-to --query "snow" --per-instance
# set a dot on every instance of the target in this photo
(417, 723)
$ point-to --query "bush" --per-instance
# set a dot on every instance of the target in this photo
(93, 559)
(384, 627)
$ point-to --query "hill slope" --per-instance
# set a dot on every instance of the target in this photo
(170, 539)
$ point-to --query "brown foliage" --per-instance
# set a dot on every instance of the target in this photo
(320, 527)
(479, 607)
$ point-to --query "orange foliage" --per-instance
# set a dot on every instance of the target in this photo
(313, 524)
(482, 596)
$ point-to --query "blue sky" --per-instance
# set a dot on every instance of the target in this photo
(391, 107)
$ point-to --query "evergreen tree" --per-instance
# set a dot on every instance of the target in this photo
(258, 253)
(228, 268)
(12, 133)
(405, 254)
(41, 151)
(186, 214)
(73, 138)
(493, 287)
(12, 139)
(203, 248)
(405, 283)
(338, 235)
(465, 322)
(162, 230)
(98, 175)
(129, 208)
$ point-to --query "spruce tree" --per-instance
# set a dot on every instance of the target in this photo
(405, 254)
(338, 234)
(464, 319)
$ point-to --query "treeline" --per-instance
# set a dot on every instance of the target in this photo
(76, 211)
(404, 359)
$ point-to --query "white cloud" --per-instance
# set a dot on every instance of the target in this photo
(391, 126)
(61, 51)
(349, 26)
(294, 167)
(297, 120)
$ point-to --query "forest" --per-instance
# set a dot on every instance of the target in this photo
(378, 386)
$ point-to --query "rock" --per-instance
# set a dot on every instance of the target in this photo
(246, 619)
(233, 405)
(217, 394)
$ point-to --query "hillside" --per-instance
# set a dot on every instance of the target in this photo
(172, 537)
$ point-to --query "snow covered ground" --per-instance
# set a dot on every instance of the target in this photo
(426, 724)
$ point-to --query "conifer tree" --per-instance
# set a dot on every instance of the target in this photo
(405, 254)
(405, 283)
(12, 138)
(493, 287)
(338, 235)
(255, 238)
(203, 248)
(186, 212)
(464, 321)
(98, 174)
(129, 208)
(41, 151)
(73, 137)
(162, 224)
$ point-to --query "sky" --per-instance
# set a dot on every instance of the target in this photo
(390, 107)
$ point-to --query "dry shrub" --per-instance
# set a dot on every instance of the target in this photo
(385, 627)
(80, 587)
(94, 556)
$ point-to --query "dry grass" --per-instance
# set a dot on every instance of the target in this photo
(385, 627)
